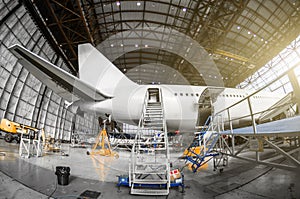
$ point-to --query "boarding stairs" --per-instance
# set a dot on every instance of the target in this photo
(149, 170)
(204, 142)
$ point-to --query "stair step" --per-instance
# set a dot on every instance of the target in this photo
(154, 108)
(156, 192)
(149, 172)
(150, 163)
(149, 181)
(153, 125)
(151, 142)
(157, 128)
(153, 113)
(153, 119)
(154, 103)
(153, 149)
(153, 122)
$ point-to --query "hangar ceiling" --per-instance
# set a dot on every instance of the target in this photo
(239, 35)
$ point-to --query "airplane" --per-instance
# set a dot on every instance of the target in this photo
(102, 88)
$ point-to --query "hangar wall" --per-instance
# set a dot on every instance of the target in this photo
(23, 98)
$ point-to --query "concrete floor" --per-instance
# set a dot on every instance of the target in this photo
(35, 177)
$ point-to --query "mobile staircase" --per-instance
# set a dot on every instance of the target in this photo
(201, 150)
(149, 168)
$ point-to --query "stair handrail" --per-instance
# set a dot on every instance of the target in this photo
(165, 137)
(134, 147)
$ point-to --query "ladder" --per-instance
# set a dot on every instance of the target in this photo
(205, 141)
(149, 172)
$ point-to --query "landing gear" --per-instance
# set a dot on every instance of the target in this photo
(8, 137)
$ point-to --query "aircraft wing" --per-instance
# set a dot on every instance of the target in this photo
(61, 82)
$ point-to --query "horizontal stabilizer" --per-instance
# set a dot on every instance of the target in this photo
(61, 82)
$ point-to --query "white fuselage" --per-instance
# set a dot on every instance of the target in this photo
(181, 104)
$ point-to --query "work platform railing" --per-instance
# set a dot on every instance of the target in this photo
(149, 167)
(274, 143)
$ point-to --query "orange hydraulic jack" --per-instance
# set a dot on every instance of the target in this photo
(105, 148)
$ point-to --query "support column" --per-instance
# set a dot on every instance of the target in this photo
(296, 88)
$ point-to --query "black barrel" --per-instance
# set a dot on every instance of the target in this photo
(63, 174)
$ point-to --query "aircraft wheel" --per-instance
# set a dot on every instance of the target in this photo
(18, 138)
(8, 137)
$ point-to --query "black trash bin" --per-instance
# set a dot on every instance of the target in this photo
(63, 174)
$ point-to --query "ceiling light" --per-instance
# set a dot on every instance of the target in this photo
(124, 69)
(121, 45)
(136, 45)
(184, 9)
(238, 27)
(254, 35)
(249, 32)
(118, 3)
(266, 42)
(138, 3)
(262, 39)
(111, 45)
(146, 46)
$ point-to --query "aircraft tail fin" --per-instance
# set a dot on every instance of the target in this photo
(61, 82)
(97, 70)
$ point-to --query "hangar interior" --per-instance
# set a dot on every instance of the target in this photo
(252, 45)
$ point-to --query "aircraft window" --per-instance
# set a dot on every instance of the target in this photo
(181, 94)
(192, 94)
(197, 94)
(230, 95)
(233, 95)
(226, 95)
(175, 94)
(187, 94)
